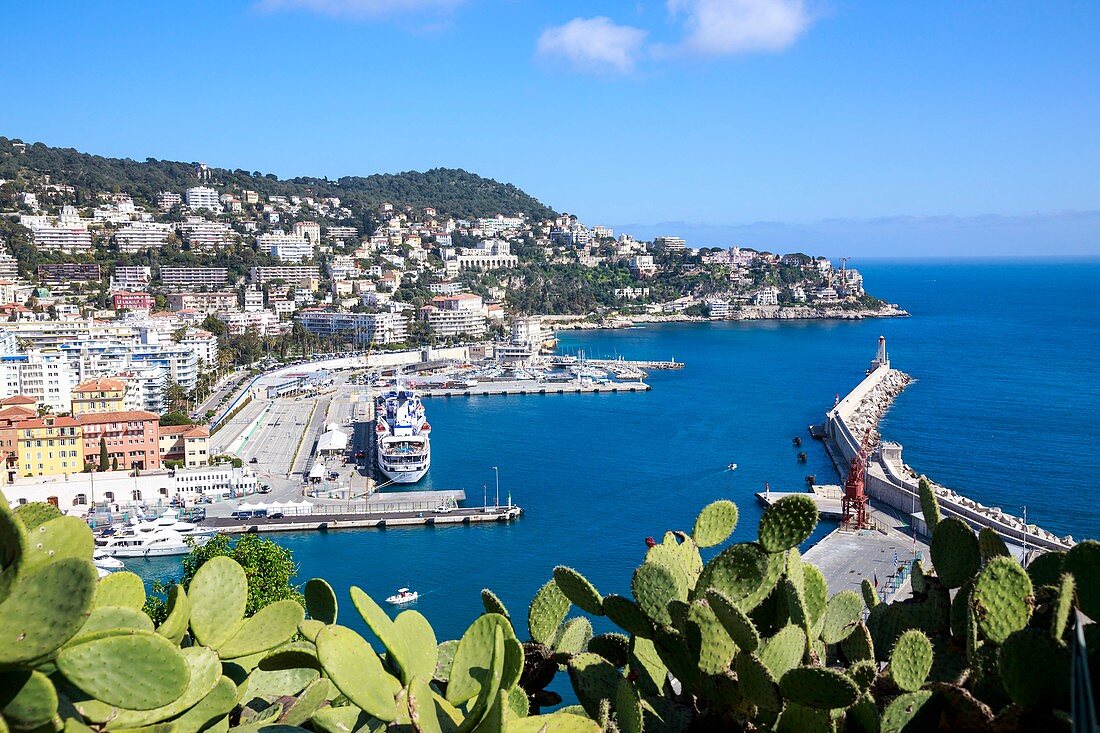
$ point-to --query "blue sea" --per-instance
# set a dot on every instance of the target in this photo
(1006, 409)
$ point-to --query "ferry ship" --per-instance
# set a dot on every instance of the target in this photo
(401, 432)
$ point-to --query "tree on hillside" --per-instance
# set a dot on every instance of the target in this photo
(175, 418)
(176, 397)
(104, 457)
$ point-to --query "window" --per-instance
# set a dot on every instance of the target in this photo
(80, 500)
(109, 495)
(136, 495)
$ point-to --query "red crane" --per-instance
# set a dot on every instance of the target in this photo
(854, 504)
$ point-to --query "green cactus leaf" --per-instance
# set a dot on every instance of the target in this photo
(961, 710)
(842, 612)
(1062, 606)
(682, 559)
(1083, 561)
(1035, 669)
(757, 684)
(558, 722)
(594, 679)
(487, 679)
(179, 615)
(205, 670)
(788, 522)
(955, 552)
(573, 636)
(863, 673)
(783, 651)
(548, 609)
(736, 622)
(1002, 598)
(107, 618)
(156, 728)
(218, 595)
(35, 513)
(628, 616)
(628, 707)
(121, 589)
(355, 669)
(863, 717)
(12, 547)
(27, 698)
(646, 665)
(816, 591)
(715, 523)
(45, 609)
(518, 704)
(716, 648)
(913, 712)
(347, 719)
(472, 656)
(929, 504)
(677, 653)
(918, 578)
(313, 697)
(380, 624)
(744, 573)
(57, 539)
(321, 603)
(445, 656)
(493, 604)
(294, 654)
(274, 681)
(578, 590)
(1046, 569)
(654, 586)
(870, 595)
(911, 660)
(615, 648)
(858, 645)
(272, 625)
(420, 643)
(797, 718)
(422, 711)
(141, 671)
(991, 545)
(819, 687)
(309, 628)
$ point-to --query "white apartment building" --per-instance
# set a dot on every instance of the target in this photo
(191, 278)
(203, 234)
(167, 199)
(283, 308)
(253, 300)
(359, 328)
(144, 388)
(344, 267)
(202, 197)
(62, 239)
(456, 315)
(293, 274)
(766, 296)
(9, 267)
(205, 346)
(132, 279)
(207, 303)
(445, 288)
(342, 234)
(492, 254)
(237, 323)
(719, 308)
(498, 224)
(670, 244)
(310, 230)
(142, 235)
(285, 247)
(47, 377)
(642, 265)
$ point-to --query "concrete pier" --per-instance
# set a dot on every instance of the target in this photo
(532, 387)
(365, 520)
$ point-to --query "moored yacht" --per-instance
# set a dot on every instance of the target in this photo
(158, 543)
(401, 431)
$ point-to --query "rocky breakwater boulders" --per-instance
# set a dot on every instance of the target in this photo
(867, 413)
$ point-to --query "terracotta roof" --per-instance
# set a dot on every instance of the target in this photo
(103, 384)
(55, 422)
(19, 399)
(106, 417)
(17, 412)
(189, 431)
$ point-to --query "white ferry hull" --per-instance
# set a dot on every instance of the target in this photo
(405, 477)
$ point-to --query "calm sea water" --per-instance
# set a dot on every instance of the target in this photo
(1006, 409)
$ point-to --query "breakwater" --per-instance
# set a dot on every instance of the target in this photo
(890, 480)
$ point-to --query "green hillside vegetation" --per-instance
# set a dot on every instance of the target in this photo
(448, 190)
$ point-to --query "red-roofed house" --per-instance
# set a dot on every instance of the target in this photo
(189, 444)
(132, 437)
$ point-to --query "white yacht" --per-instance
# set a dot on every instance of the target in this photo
(401, 431)
(159, 543)
(169, 520)
(104, 562)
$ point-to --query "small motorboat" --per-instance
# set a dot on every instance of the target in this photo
(731, 467)
(103, 561)
(403, 596)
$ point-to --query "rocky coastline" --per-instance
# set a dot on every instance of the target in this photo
(866, 415)
(746, 313)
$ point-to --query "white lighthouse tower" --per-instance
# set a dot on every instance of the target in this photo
(882, 359)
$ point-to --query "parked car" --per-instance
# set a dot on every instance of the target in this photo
(444, 509)
(275, 515)
(242, 514)
(253, 459)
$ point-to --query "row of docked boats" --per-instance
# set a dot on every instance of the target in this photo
(152, 537)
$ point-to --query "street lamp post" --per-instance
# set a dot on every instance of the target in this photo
(497, 472)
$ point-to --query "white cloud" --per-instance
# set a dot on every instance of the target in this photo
(724, 27)
(357, 8)
(594, 44)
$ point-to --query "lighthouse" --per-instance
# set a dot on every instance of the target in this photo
(882, 359)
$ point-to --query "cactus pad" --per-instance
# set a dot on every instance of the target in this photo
(121, 589)
(559, 722)
(215, 706)
(45, 609)
(1046, 569)
(715, 523)
(1002, 598)
(757, 684)
(819, 688)
(12, 547)
(736, 623)
(1035, 669)
(870, 595)
(627, 615)
(911, 660)
(858, 644)
(493, 604)
(444, 657)
(27, 698)
(578, 590)
(863, 673)
(141, 671)
(472, 657)
(1084, 562)
(788, 522)
(179, 615)
(205, 671)
(804, 719)
(842, 613)
(615, 648)
(355, 669)
(321, 603)
(56, 539)
(929, 505)
(784, 651)
(955, 552)
(272, 625)
(35, 513)
(1062, 606)
(816, 595)
(991, 545)
(745, 573)
(910, 713)
(547, 611)
(594, 679)
(654, 586)
(218, 595)
(573, 636)
(420, 643)
(716, 648)
(114, 618)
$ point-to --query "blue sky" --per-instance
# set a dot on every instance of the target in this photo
(709, 115)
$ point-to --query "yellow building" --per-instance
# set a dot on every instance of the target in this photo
(99, 395)
(50, 446)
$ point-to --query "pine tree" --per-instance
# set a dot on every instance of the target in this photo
(103, 456)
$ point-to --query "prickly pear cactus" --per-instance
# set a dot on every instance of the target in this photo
(787, 522)
(911, 660)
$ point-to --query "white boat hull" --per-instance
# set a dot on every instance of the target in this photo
(165, 551)
(405, 477)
